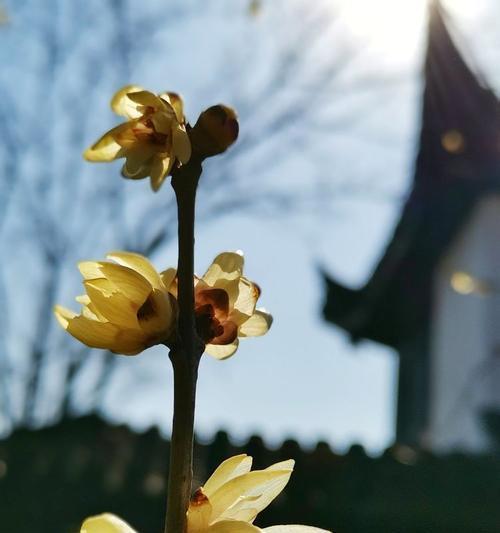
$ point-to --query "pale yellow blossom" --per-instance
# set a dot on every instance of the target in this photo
(225, 305)
(153, 140)
(228, 502)
(126, 308)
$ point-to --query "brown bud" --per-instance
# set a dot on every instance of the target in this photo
(215, 131)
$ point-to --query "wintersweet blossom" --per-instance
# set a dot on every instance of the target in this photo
(225, 305)
(228, 502)
(126, 308)
(153, 140)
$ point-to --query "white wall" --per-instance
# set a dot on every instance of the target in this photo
(465, 344)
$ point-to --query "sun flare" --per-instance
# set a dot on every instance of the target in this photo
(395, 25)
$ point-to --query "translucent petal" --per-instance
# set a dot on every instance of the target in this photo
(131, 342)
(222, 351)
(227, 265)
(231, 526)
(139, 263)
(168, 278)
(141, 173)
(88, 309)
(138, 156)
(121, 104)
(248, 294)
(199, 512)
(156, 317)
(127, 281)
(90, 269)
(107, 148)
(254, 502)
(160, 168)
(113, 306)
(92, 333)
(162, 122)
(105, 523)
(227, 470)
(176, 102)
(258, 324)
(147, 99)
(63, 315)
(181, 145)
(262, 486)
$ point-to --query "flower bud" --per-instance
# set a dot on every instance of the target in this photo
(215, 131)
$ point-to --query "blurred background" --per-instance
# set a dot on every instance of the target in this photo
(364, 192)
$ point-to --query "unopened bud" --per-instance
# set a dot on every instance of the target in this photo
(215, 131)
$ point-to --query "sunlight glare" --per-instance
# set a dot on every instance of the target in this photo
(394, 24)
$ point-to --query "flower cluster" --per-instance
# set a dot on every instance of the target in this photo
(153, 140)
(228, 502)
(129, 306)
(156, 140)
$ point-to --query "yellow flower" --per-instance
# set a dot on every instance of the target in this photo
(153, 140)
(227, 503)
(225, 305)
(127, 307)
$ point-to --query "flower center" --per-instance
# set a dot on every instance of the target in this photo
(147, 309)
(145, 131)
(211, 310)
(207, 326)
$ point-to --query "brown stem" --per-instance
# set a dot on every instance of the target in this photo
(185, 355)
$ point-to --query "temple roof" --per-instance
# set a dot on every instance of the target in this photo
(458, 162)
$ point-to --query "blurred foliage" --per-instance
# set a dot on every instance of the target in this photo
(50, 479)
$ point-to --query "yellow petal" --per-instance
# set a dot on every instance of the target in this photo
(88, 309)
(227, 470)
(156, 317)
(105, 523)
(107, 148)
(168, 278)
(113, 306)
(199, 511)
(261, 486)
(176, 102)
(258, 324)
(141, 173)
(294, 529)
(248, 294)
(90, 270)
(63, 315)
(138, 156)
(228, 265)
(181, 145)
(131, 342)
(160, 168)
(139, 263)
(162, 122)
(121, 104)
(231, 526)
(222, 351)
(92, 333)
(147, 99)
(248, 507)
(127, 281)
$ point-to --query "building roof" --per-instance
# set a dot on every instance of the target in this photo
(458, 162)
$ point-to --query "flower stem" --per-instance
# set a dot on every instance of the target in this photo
(185, 355)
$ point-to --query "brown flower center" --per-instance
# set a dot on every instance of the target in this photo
(211, 314)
